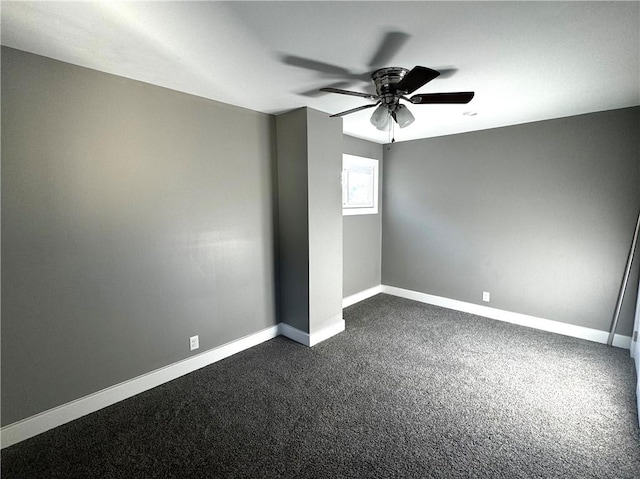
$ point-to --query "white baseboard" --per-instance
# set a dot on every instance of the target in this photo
(361, 296)
(581, 332)
(336, 327)
(294, 334)
(34, 425)
(313, 338)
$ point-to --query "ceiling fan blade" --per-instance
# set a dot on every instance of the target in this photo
(416, 78)
(353, 110)
(457, 97)
(315, 65)
(391, 44)
(446, 72)
(348, 92)
(315, 92)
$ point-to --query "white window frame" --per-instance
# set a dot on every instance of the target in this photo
(359, 165)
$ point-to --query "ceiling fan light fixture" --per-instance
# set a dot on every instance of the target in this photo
(404, 116)
(394, 84)
(380, 118)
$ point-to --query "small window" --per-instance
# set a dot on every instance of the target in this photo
(359, 185)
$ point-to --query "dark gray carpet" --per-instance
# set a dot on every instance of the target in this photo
(408, 391)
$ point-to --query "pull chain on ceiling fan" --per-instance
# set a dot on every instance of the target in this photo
(394, 84)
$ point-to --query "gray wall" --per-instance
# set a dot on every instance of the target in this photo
(324, 142)
(293, 222)
(362, 234)
(133, 217)
(541, 215)
(309, 150)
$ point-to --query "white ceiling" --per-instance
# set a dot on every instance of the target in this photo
(526, 61)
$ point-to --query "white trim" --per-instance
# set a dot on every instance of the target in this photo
(635, 351)
(328, 331)
(34, 425)
(361, 296)
(621, 341)
(57, 416)
(315, 337)
(634, 345)
(581, 332)
(638, 399)
(352, 161)
(294, 334)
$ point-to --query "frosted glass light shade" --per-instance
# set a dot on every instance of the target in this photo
(404, 116)
(380, 118)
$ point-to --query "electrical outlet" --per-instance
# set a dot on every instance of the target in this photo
(193, 343)
(486, 296)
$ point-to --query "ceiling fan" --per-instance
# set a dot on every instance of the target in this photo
(394, 84)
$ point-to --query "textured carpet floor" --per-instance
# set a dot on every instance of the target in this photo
(408, 390)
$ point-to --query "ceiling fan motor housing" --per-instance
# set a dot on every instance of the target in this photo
(385, 81)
